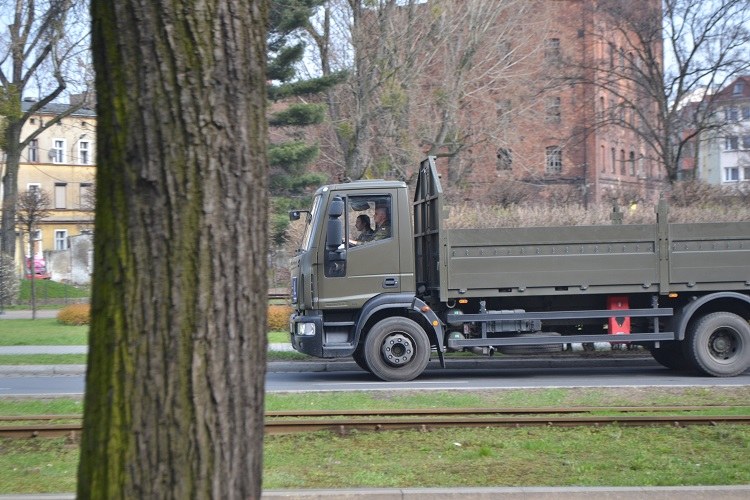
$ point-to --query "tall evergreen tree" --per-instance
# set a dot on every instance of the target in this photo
(295, 98)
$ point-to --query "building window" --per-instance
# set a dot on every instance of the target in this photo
(61, 239)
(731, 143)
(631, 161)
(746, 142)
(602, 158)
(731, 114)
(503, 112)
(739, 88)
(60, 194)
(746, 112)
(86, 196)
(613, 161)
(554, 159)
(731, 174)
(84, 153)
(623, 169)
(34, 188)
(552, 50)
(553, 112)
(33, 151)
(57, 154)
(504, 159)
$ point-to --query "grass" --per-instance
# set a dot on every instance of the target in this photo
(604, 456)
(47, 331)
(607, 456)
(42, 359)
(48, 290)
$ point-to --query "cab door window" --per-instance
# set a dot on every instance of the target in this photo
(368, 219)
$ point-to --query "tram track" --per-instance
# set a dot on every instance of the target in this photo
(344, 421)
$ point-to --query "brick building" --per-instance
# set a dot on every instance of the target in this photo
(568, 131)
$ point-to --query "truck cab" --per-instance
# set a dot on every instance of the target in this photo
(344, 281)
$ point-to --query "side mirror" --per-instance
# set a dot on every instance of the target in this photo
(297, 214)
(336, 208)
(335, 229)
(335, 256)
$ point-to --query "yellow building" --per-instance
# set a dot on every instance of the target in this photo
(61, 162)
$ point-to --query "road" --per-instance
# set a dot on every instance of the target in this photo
(638, 375)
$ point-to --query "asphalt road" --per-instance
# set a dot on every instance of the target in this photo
(344, 377)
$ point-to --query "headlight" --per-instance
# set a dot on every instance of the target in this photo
(306, 329)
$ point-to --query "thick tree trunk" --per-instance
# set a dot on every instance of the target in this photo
(174, 390)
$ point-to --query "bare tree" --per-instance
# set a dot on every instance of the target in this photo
(484, 52)
(174, 389)
(45, 52)
(33, 206)
(658, 57)
(418, 72)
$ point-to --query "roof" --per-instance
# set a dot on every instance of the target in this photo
(55, 108)
(729, 92)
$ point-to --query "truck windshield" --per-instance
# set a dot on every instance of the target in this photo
(312, 223)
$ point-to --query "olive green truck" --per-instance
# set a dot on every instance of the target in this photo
(379, 278)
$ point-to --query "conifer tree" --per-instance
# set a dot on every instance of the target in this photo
(298, 105)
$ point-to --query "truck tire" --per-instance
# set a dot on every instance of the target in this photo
(359, 358)
(718, 344)
(671, 355)
(397, 349)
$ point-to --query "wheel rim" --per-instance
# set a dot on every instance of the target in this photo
(397, 349)
(724, 344)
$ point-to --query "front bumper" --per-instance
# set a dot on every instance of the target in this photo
(307, 344)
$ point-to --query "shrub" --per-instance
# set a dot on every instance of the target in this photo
(76, 314)
(278, 317)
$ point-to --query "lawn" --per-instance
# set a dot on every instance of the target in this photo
(19, 332)
(47, 331)
(603, 456)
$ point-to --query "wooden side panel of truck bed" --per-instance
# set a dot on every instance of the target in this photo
(595, 259)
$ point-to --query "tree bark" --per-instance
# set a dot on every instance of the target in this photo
(175, 382)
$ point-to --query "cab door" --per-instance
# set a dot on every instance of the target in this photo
(371, 265)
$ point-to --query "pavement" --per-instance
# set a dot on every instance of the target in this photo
(741, 492)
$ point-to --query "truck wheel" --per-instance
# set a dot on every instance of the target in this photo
(719, 344)
(671, 356)
(397, 349)
(359, 358)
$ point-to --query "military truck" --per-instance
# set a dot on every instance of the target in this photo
(419, 290)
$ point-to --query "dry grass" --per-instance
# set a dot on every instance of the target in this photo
(478, 216)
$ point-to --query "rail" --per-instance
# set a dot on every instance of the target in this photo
(344, 421)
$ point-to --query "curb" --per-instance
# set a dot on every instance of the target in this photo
(740, 492)
(346, 364)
